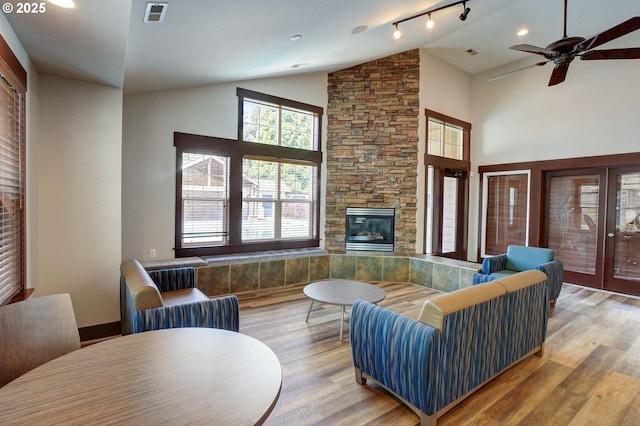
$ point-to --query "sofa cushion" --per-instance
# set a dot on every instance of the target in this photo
(434, 310)
(144, 292)
(180, 297)
(521, 258)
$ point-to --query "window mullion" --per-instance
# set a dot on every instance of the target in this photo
(235, 200)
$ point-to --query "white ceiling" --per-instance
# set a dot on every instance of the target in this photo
(213, 41)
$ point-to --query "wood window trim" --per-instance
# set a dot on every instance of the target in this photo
(244, 93)
(465, 163)
(19, 73)
(441, 165)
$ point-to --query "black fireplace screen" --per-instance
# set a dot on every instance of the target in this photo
(370, 229)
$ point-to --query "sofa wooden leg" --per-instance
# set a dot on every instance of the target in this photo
(428, 420)
(540, 353)
(553, 303)
(359, 378)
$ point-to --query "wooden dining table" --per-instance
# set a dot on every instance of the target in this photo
(172, 376)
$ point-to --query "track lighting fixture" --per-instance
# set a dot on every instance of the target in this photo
(465, 12)
(430, 23)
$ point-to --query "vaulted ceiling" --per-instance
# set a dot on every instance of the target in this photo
(212, 41)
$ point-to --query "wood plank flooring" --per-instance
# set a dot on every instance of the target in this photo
(589, 374)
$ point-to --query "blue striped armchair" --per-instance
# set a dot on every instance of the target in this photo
(522, 258)
(168, 298)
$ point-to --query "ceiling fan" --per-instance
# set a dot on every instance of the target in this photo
(562, 52)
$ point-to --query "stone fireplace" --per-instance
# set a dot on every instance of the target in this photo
(370, 229)
(372, 145)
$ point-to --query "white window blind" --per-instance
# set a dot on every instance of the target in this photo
(12, 143)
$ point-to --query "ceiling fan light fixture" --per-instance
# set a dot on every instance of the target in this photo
(522, 32)
(562, 52)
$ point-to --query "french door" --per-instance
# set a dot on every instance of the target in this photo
(593, 224)
(447, 192)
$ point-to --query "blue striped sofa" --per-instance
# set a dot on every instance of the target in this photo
(460, 341)
(167, 298)
(522, 258)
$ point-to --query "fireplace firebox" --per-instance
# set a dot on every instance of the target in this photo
(370, 229)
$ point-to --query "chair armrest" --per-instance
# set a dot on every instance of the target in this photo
(174, 278)
(481, 279)
(221, 312)
(399, 353)
(494, 263)
(555, 277)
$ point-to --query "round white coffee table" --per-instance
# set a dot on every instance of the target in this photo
(342, 293)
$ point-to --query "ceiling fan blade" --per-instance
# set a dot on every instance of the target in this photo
(559, 74)
(612, 33)
(629, 53)
(496, 77)
(534, 49)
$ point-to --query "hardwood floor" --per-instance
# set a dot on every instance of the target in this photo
(589, 374)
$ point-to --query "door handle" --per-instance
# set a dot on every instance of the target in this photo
(611, 235)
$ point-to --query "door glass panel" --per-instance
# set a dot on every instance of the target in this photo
(429, 207)
(449, 214)
(573, 215)
(627, 238)
(506, 202)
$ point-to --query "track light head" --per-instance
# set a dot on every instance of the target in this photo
(397, 35)
(465, 13)
(430, 23)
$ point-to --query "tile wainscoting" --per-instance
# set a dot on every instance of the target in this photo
(221, 275)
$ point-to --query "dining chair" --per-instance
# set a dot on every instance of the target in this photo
(35, 331)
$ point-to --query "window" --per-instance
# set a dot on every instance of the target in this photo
(205, 194)
(447, 184)
(259, 192)
(445, 139)
(505, 213)
(278, 201)
(12, 174)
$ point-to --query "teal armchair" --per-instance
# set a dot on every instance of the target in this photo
(522, 258)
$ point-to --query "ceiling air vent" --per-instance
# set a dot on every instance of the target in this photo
(155, 12)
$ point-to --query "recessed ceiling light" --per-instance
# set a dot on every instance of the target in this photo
(522, 32)
(295, 37)
(67, 4)
(359, 29)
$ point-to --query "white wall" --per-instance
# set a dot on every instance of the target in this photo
(594, 112)
(447, 90)
(149, 157)
(77, 191)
